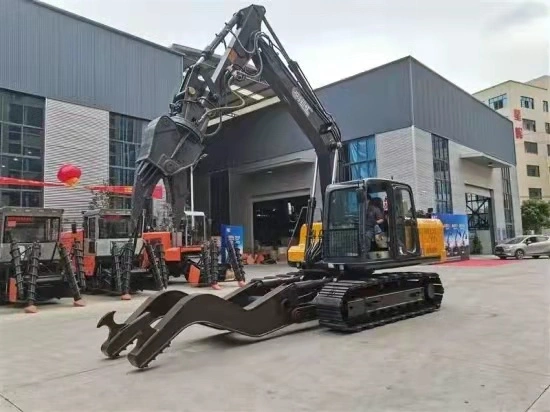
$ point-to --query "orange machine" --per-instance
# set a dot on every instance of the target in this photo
(190, 253)
(183, 249)
(111, 261)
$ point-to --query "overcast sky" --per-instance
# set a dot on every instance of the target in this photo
(473, 43)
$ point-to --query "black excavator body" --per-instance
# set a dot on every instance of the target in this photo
(339, 284)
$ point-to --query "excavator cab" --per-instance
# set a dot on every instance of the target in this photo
(369, 223)
(114, 261)
(105, 227)
(34, 264)
(194, 232)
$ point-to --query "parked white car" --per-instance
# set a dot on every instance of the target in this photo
(521, 246)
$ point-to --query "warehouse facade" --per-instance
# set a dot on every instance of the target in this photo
(400, 121)
(74, 91)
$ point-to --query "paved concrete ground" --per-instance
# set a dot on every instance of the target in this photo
(487, 349)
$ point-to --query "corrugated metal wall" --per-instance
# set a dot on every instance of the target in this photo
(406, 155)
(78, 135)
(443, 109)
(373, 102)
(394, 156)
(425, 187)
(50, 54)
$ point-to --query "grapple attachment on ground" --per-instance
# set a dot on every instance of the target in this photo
(261, 307)
(269, 304)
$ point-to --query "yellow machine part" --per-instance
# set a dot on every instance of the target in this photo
(432, 238)
(430, 232)
(295, 254)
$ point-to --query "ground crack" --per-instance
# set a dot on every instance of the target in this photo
(536, 400)
(57, 377)
(11, 403)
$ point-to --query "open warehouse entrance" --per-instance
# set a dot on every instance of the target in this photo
(479, 208)
(274, 220)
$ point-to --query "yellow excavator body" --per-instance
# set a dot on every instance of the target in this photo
(430, 232)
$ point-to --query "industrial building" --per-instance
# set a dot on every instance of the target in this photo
(75, 91)
(526, 105)
(400, 121)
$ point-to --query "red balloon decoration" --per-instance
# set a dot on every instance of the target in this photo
(69, 174)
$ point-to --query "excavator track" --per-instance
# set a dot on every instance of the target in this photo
(352, 306)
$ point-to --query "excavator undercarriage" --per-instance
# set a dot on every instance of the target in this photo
(272, 303)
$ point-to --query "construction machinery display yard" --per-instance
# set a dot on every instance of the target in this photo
(348, 275)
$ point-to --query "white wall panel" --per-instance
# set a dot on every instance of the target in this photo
(78, 135)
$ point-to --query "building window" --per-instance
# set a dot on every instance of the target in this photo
(535, 193)
(547, 127)
(498, 102)
(442, 175)
(545, 106)
(360, 158)
(508, 205)
(533, 171)
(527, 102)
(21, 147)
(529, 125)
(124, 143)
(531, 147)
(548, 149)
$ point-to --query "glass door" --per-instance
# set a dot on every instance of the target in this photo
(407, 242)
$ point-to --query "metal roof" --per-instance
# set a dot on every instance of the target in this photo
(101, 25)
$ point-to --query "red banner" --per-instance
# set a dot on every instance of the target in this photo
(12, 181)
(120, 190)
(125, 190)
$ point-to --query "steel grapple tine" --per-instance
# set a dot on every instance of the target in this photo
(264, 315)
(122, 335)
(109, 320)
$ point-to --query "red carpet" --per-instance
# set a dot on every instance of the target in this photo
(480, 262)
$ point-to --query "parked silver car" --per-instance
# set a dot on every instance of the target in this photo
(521, 246)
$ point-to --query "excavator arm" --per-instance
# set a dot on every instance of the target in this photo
(174, 143)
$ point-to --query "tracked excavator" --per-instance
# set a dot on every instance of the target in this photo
(338, 283)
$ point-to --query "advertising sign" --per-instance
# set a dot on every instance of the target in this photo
(518, 124)
(457, 239)
(234, 234)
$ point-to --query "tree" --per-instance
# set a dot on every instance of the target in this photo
(535, 214)
(100, 199)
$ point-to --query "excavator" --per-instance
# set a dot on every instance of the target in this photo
(338, 283)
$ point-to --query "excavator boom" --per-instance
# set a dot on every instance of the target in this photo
(174, 143)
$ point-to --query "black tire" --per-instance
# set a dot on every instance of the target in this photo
(502, 257)
(520, 254)
(536, 257)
